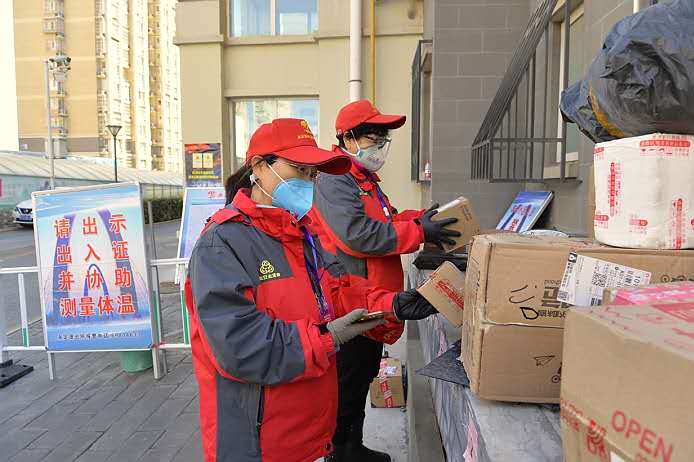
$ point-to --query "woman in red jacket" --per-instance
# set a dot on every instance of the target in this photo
(269, 308)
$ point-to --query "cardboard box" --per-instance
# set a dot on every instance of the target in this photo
(513, 282)
(515, 279)
(387, 389)
(444, 290)
(467, 224)
(626, 393)
(512, 322)
(673, 292)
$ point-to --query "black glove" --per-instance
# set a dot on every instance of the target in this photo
(411, 306)
(435, 231)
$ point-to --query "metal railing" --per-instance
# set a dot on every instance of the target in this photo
(511, 145)
(158, 334)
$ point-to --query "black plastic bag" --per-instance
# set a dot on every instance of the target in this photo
(642, 81)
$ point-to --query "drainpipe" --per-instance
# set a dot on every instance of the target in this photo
(355, 50)
(637, 6)
(373, 51)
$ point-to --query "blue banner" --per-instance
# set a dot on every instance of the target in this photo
(94, 285)
(199, 204)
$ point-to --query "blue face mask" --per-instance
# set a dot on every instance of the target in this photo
(294, 195)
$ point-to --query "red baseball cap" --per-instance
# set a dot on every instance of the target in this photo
(362, 111)
(292, 139)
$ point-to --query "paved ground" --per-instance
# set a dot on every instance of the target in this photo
(96, 412)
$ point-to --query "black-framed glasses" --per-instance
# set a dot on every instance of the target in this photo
(379, 141)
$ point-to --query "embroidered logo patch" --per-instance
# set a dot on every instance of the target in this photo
(267, 271)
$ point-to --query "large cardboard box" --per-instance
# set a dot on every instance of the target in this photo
(512, 284)
(512, 322)
(467, 224)
(626, 393)
(444, 290)
(387, 389)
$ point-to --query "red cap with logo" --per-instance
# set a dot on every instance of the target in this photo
(363, 112)
(292, 139)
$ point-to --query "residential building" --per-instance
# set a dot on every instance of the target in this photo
(244, 62)
(111, 79)
(8, 85)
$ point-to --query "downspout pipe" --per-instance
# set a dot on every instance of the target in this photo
(355, 44)
(373, 51)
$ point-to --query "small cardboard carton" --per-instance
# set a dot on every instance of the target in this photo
(467, 224)
(444, 290)
(387, 389)
(673, 292)
(626, 392)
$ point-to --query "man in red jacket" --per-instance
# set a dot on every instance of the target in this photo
(367, 235)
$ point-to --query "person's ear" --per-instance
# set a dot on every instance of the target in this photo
(350, 143)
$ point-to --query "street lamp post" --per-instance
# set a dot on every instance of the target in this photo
(59, 64)
(114, 129)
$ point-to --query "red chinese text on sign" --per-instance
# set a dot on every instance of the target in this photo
(65, 280)
(117, 222)
(124, 278)
(105, 305)
(63, 255)
(89, 226)
(120, 250)
(68, 307)
(62, 228)
(92, 253)
(125, 304)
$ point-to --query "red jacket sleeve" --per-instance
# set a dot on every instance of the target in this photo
(408, 215)
(338, 207)
(348, 297)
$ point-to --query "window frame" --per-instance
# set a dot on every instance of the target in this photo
(273, 23)
(232, 102)
(577, 13)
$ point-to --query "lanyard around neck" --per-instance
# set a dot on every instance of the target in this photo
(312, 269)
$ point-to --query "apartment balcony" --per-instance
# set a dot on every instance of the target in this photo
(55, 25)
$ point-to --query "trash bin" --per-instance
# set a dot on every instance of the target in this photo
(135, 361)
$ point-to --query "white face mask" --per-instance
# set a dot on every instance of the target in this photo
(373, 157)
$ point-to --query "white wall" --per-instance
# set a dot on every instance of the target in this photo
(9, 131)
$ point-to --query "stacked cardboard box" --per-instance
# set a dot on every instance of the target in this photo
(513, 324)
(626, 393)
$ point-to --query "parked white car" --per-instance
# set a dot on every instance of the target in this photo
(23, 213)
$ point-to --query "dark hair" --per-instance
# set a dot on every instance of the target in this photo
(241, 179)
(362, 130)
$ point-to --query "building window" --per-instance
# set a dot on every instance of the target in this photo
(273, 17)
(576, 39)
(248, 115)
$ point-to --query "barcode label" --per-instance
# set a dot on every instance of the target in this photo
(585, 278)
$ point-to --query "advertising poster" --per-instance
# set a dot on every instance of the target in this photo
(90, 249)
(524, 211)
(203, 165)
(199, 204)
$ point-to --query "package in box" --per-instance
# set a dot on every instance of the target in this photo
(515, 280)
(467, 224)
(644, 188)
(512, 322)
(444, 290)
(387, 389)
(627, 378)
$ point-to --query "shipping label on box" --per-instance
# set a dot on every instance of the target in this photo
(444, 290)
(586, 278)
